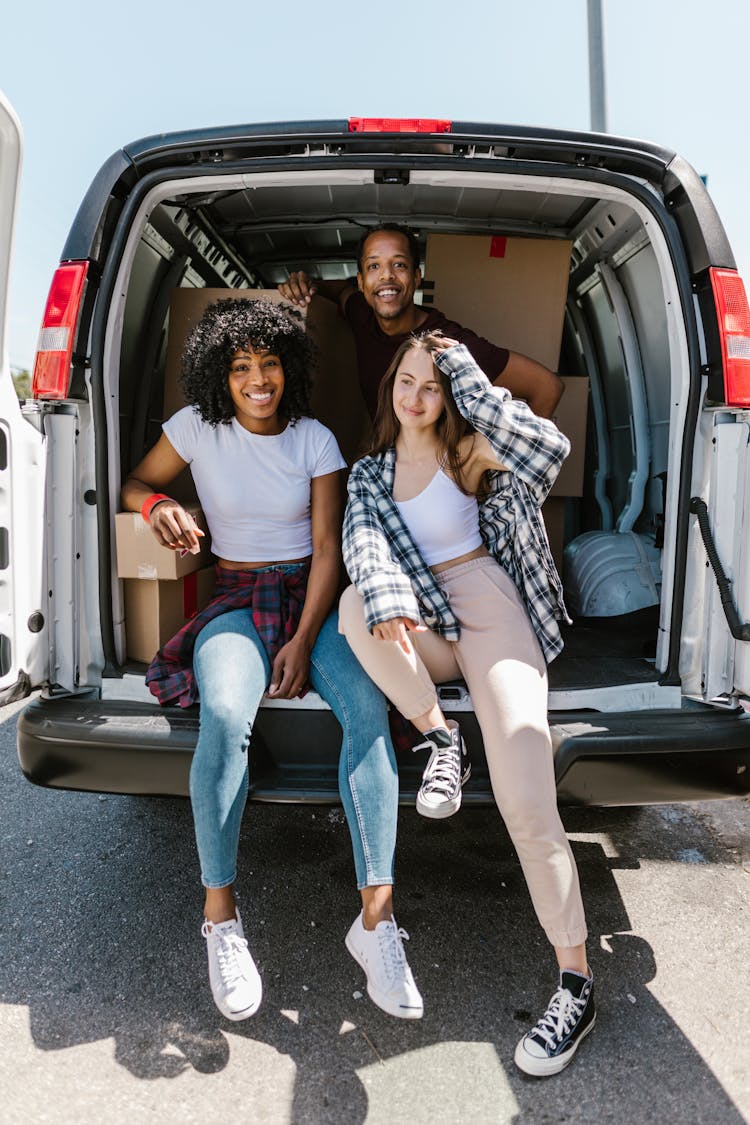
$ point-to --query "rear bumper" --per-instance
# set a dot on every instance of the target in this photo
(651, 757)
(600, 759)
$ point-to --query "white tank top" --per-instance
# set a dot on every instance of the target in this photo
(443, 520)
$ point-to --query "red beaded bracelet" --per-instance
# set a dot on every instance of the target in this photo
(151, 502)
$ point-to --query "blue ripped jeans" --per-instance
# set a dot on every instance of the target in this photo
(233, 671)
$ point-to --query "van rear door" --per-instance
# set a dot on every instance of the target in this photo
(723, 524)
(23, 616)
(716, 634)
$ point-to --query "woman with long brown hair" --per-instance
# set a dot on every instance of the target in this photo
(453, 578)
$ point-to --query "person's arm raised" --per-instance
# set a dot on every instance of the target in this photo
(541, 388)
(523, 443)
(171, 524)
(292, 664)
(301, 288)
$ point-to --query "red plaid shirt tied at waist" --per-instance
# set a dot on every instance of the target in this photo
(275, 596)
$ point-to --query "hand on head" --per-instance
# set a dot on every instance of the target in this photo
(444, 344)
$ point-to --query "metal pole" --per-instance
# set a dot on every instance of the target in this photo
(597, 93)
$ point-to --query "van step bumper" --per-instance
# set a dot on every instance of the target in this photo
(600, 758)
(651, 757)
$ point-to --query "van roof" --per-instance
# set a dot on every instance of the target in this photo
(526, 142)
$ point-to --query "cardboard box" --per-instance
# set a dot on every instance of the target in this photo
(155, 610)
(570, 418)
(336, 399)
(139, 555)
(513, 292)
(510, 290)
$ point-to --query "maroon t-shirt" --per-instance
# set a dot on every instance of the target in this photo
(375, 349)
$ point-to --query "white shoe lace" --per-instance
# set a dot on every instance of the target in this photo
(228, 947)
(391, 938)
(443, 771)
(561, 1016)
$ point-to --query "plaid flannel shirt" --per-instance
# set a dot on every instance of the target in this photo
(275, 597)
(381, 557)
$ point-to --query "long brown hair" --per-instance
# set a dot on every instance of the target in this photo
(451, 426)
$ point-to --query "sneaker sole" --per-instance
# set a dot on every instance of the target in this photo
(382, 1002)
(447, 808)
(244, 1014)
(541, 1068)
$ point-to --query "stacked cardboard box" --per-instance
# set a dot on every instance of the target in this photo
(156, 610)
(140, 555)
(163, 588)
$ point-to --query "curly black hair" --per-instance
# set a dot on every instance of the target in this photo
(237, 322)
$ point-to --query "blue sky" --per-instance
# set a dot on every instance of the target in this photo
(86, 78)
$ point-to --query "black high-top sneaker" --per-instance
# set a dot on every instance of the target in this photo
(448, 768)
(570, 1016)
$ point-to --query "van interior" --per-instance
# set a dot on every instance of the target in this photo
(614, 327)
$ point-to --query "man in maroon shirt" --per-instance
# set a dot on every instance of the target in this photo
(381, 311)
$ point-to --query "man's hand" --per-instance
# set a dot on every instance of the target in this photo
(290, 670)
(299, 288)
(396, 630)
(174, 527)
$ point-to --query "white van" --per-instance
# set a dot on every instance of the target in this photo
(605, 253)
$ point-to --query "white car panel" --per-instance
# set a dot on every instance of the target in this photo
(23, 598)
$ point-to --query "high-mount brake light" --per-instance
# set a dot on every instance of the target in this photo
(733, 315)
(398, 125)
(51, 377)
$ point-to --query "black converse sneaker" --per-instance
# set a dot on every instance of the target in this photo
(447, 770)
(570, 1016)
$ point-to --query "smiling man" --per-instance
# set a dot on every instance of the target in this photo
(381, 311)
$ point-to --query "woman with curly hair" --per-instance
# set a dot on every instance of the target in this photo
(268, 477)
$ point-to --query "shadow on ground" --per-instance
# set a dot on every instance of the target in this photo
(108, 945)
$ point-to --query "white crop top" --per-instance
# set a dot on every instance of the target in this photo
(255, 488)
(443, 520)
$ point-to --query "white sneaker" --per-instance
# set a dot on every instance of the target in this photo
(390, 983)
(235, 980)
(446, 772)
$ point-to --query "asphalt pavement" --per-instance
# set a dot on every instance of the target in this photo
(106, 1014)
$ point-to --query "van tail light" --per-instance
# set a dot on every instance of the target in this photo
(398, 125)
(733, 316)
(51, 378)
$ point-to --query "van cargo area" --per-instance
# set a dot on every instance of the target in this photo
(591, 256)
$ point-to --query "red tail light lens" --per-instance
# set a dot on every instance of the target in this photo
(51, 377)
(734, 330)
(398, 125)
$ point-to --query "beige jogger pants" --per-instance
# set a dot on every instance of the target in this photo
(499, 658)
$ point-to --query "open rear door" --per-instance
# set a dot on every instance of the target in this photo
(23, 624)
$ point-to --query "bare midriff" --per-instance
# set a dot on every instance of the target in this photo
(229, 565)
(477, 553)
